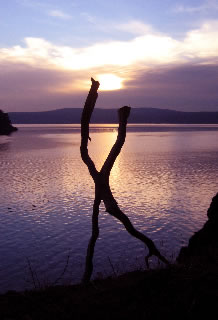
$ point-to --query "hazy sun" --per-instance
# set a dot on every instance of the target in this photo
(109, 82)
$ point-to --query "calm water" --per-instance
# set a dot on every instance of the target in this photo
(163, 180)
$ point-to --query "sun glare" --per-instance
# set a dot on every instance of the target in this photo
(109, 82)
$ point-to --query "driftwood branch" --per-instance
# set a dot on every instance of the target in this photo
(123, 114)
(94, 237)
(101, 180)
(86, 116)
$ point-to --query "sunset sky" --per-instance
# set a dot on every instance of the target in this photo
(145, 53)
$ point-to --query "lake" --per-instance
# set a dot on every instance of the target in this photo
(164, 180)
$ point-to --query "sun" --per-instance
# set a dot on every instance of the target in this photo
(109, 81)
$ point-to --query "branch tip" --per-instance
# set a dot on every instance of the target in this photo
(124, 113)
(95, 84)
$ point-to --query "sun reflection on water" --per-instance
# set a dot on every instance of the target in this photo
(163, 181)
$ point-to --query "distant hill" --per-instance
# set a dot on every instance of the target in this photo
(138, 115)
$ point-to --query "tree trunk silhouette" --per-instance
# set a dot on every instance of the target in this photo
(101, 180)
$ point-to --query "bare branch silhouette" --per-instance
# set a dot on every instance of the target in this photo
(101, 180)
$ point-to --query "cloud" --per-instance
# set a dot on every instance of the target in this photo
(117, 53)
(182, 87)
(156, 70)
(45, 8)
(135, 27)
(179, 87)
(59, 14)
(28, 88)
(203, 42)
(207, 5)
(147, 50)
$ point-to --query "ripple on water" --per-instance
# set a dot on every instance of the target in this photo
(163, 182)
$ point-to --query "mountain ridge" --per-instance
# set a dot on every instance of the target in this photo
(138, 115)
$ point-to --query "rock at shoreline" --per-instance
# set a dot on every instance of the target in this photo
(6, 127)
(203, 243)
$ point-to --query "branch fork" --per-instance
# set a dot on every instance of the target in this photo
(101, 180)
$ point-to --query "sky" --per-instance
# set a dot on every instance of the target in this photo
(145, 53)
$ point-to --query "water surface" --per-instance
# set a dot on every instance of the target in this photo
(163, 180)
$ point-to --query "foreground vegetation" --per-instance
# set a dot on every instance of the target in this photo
(176, 291)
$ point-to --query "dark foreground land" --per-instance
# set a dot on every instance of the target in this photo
(179, 291)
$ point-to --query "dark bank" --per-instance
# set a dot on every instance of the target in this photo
(6, 127)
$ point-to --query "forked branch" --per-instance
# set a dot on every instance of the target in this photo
(101, 180)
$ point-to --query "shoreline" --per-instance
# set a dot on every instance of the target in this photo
(180, 290)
